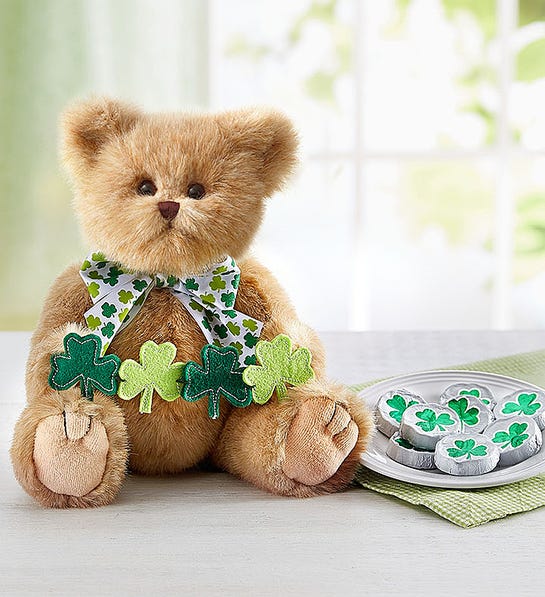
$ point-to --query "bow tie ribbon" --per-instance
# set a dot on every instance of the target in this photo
(118, 295)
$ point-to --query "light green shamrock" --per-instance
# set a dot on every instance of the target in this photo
(155, 373)
(278, 366)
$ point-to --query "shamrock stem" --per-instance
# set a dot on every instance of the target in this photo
(213, 405)
(86, 390)
(145, 400)
(281, 390)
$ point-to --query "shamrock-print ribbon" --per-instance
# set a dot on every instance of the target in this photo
(118, 294)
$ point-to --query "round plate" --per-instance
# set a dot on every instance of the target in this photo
(429, 385)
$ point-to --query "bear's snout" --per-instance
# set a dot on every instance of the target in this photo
(168, 209)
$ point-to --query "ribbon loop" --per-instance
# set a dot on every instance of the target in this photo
(118, 295)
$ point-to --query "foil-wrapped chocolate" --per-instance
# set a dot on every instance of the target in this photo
(476, 390)
(517, 437)
(466, 454)
(404, 452)
(474, 415)
(423, 425)
(523, 402)
(390, 409)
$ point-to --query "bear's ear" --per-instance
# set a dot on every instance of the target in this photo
(271, 137)
(87, 125)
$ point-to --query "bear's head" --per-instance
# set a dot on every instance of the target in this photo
(173, 193)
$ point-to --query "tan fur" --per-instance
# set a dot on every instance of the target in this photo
(240, 158)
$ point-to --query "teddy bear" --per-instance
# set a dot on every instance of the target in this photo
(170, 347)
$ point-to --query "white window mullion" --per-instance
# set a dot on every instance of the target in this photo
(507, 11)
(360, 304)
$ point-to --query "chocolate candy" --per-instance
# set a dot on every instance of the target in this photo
(476, 390)
(423, 425)
(523, 402)
(474, 415)
(404, 452)
(390, 409)
(517, 437)
(466, 454)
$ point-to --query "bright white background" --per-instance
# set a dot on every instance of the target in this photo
(420, 198)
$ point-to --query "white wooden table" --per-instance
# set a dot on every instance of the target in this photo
(210, 534)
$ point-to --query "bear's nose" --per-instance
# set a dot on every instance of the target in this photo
(168, 209)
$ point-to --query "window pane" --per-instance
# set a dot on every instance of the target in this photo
(293, 55)
(306, 240)
(529, 261)
(430, 77)
(429, 244)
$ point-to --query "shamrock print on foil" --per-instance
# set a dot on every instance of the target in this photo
(429, 420)
(467, 448)
(81, 362)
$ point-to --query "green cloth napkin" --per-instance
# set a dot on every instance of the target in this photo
(472, 507)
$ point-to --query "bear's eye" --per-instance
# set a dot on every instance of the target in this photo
(195, 191)
(147, 187)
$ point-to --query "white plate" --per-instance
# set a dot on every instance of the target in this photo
(429, 385)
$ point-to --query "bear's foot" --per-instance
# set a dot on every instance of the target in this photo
(68, 452)
(320, 437)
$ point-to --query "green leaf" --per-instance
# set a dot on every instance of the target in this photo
(81, 362)
(219, 376)
(155, 372)
(399, 405)
(530, 65)
(278, 365)
(217, 283)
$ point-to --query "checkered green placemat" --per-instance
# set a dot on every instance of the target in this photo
(472, 507)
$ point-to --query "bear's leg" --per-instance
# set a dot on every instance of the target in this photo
(69, 452)
(307, 445)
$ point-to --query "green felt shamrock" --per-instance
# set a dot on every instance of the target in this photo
(156, 372)
(399, 406)
(81, 362)
(219, 376)
(278, 365)
(466, 448)
(429, 420)
(514, 438)
(526, 404)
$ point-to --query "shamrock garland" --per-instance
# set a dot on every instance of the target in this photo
(219, 376)
(156, 372)
(279, 365)
(81, 362)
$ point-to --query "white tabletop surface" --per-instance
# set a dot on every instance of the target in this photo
(210, 534)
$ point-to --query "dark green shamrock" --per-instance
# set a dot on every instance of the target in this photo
(399, 405)
(108, 330)
(525, 405)
(228, 299)
(171, 280)
(468, 416)
(250, 340)
(466, 448)
(191, 284)
(514, 438)
(219, 376)
(429, 420)
(221, 331)
(108, 309)
(139, 285)
(113, 275)
(407, 445)
(81, 362)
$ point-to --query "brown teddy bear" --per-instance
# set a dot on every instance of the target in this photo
(170, 203)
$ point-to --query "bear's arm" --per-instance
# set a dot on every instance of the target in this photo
(64, 307)
(261, 296)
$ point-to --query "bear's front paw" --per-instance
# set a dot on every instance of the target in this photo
(320, 437)
(70, 452)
